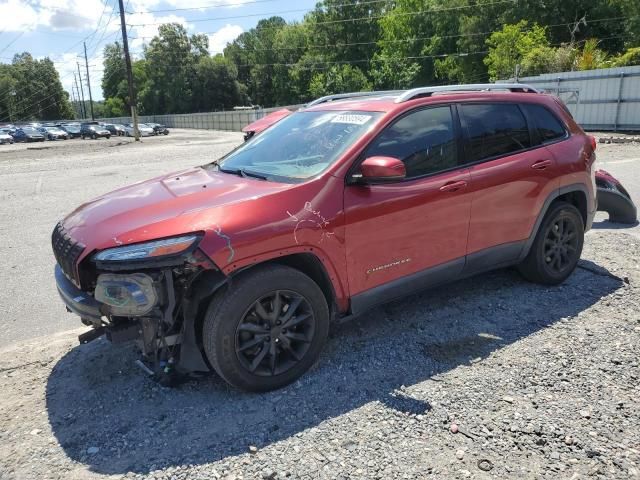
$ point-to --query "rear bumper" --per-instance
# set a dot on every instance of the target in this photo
(77, 301)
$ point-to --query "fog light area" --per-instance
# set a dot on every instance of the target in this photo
(128, 295)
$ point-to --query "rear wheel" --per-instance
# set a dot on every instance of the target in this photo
(268, 330)
(557, 247)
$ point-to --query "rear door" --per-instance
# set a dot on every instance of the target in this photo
(394, 230)
(511, 176)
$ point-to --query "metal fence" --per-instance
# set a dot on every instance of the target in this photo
(229, 120)
(605, 99)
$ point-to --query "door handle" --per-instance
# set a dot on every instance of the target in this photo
(453, 186)
(541, 164)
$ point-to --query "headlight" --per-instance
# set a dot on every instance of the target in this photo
(128, 295)
(141, 251)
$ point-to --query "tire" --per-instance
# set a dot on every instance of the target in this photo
(225, 342)
(108, 137)
(93, 136)
(556, 250)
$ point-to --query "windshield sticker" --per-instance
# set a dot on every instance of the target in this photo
(351, 118)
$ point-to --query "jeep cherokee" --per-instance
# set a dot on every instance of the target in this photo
(240, 265)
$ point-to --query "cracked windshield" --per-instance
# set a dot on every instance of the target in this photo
(300, 146)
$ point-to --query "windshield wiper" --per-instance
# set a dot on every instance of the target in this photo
(242, 172)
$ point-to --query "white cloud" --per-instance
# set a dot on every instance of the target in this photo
(222, 37)
(18, 16)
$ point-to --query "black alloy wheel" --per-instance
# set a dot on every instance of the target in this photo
(560, 244)
(557, 246)
(275, 333)
(267, 329)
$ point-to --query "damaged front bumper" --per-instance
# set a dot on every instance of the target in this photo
(77, 301)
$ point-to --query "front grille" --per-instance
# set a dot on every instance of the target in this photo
(67, 251)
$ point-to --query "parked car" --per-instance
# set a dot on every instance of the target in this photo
(8, 128)
(241, 265)
(28, 134)
(72, 130)
(264, 122)
(53, 133)
(115, 128)
(93, 130)
(144, 130)
(158, 129)
(5, 137)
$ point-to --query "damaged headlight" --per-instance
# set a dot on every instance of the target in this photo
(127, 295)
(141, 251)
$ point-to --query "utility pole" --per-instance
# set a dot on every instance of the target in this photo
(84, 107)
(86, 64)
(517, 73)
(127, 59)
(73, 102)
(80, 108)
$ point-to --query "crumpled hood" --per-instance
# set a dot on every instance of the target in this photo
(174, 204)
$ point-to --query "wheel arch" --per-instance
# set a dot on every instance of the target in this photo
(576, 194)
(212, 282)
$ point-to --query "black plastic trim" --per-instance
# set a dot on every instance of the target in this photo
(76, 300)
(401, 287)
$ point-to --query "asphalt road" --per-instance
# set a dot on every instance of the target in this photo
(40, 183)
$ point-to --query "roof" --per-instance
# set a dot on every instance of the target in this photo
(388, 103)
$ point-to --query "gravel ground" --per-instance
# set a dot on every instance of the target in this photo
(490, 377)
(538, 383)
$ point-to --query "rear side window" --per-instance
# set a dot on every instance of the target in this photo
(494, 130)
(545, 123)
(424, 140)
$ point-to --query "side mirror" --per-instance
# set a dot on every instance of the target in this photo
(382, 169)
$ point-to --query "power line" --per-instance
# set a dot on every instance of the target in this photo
(207, 7)
(370, 17)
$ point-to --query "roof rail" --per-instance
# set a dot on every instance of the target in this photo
(428, 91)
(344, 96)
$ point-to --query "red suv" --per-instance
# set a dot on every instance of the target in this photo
(240, 265)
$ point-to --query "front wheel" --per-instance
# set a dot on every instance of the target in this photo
(557, 247)
(268, 330)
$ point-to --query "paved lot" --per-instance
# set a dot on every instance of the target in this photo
(537, 382)
(42, 182)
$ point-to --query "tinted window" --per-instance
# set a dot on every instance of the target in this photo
(545, 123)
(495, 130)
(424, 140)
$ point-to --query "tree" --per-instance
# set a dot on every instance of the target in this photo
(216, 85)
(339, 79)
(31, 90)
(509, 46)
(114, 71)
(114, 107)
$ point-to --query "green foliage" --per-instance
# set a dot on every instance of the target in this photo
(630, 57)
(511, 45)
(31, 89)
(114, 107)
(591, 57)
(339, 79)
(345, 46)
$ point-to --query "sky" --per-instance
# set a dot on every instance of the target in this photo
(57, 28)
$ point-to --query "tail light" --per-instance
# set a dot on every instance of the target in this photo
(592, 139)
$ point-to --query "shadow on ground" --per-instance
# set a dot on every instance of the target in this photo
(97, 398)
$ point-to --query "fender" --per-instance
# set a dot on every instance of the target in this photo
(575, 187)
(340, 291)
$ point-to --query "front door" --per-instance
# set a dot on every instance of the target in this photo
(397, 233)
